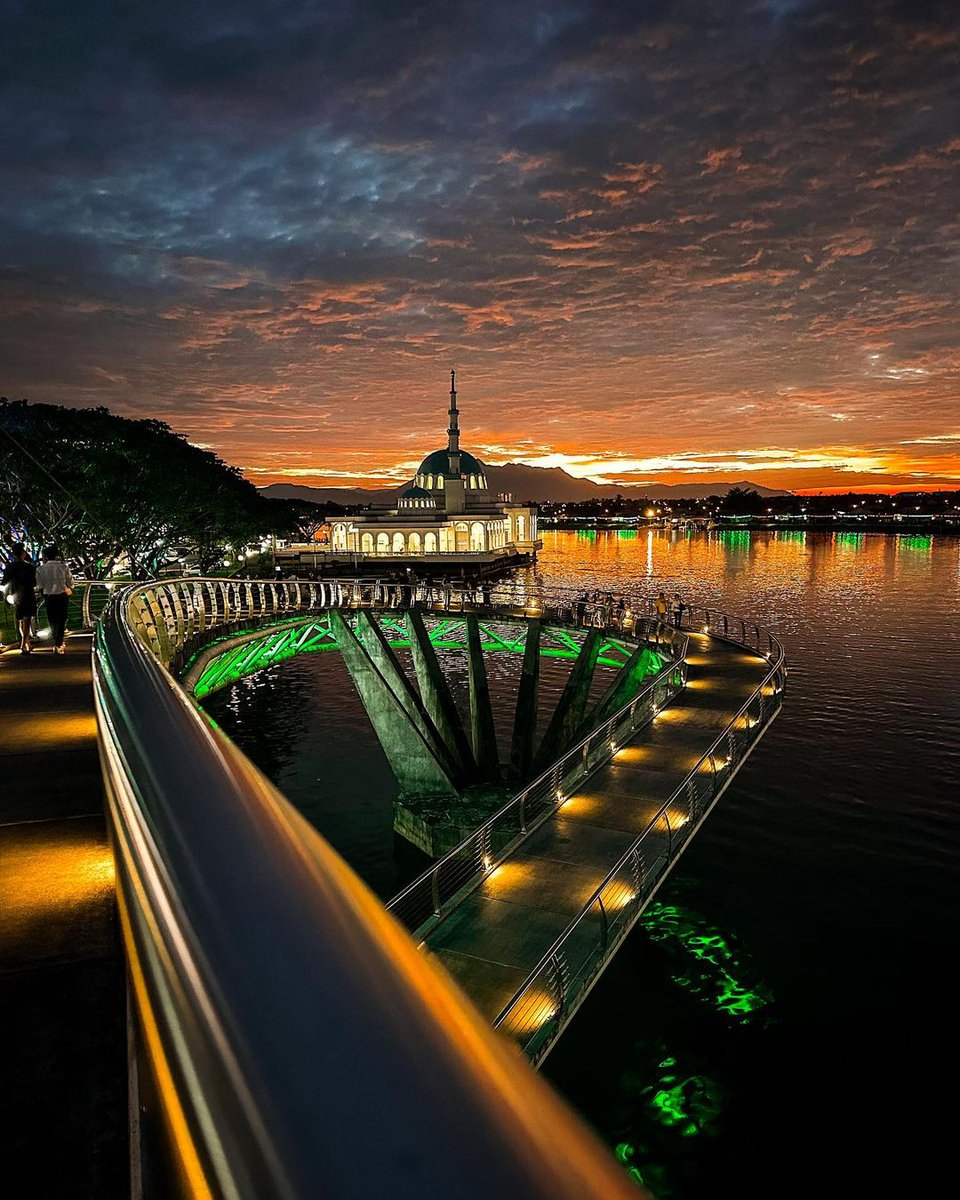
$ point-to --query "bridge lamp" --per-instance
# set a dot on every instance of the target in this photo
(486, 862)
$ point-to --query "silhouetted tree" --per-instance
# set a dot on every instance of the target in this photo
(742, 501)
(104, 487)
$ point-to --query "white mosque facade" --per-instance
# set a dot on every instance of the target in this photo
(447, 517)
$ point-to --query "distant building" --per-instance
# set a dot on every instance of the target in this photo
(447, 517)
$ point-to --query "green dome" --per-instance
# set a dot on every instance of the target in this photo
(438, 463)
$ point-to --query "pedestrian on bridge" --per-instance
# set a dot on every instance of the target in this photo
(678, 610)
(56, 583)
(660, 605)
(20, 579)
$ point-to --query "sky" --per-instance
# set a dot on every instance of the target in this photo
(659, 240)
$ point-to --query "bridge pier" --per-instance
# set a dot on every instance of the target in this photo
(624, 685)
(528, 700)
(435, 692)
(481, 710)
(408, 737)
(569, 713)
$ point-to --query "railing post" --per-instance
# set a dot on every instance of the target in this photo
(604, 924)
(559, 965)
(435, 891)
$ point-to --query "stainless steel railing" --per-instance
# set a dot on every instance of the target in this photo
(298, 1042)
(546, 1000)
(430, 897)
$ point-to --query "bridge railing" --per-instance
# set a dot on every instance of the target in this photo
(89, 599)
(298, 1043)
(552, 991)
(430, 897)
(169, 615)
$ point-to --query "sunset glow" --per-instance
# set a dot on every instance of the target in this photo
(659, 244)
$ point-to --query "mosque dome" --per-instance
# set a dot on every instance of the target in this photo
(417, 497)
(437, 465)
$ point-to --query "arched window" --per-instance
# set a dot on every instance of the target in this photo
(366, 543)
(430, 481)
(472, 482)
(413, 543)
(430, 543)
(440, 482)
(383, 543)
(478, 539)
(398, 543)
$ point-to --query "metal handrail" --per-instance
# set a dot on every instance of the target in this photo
(299, 1043)
(535, 1014)
(444, 884)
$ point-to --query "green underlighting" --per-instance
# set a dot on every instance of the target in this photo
(715, 963)
(277, 644)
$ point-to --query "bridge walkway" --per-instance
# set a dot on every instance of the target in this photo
(62, 996)
(499, 933)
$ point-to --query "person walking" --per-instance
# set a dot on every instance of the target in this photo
(678, 610)
(20, 579)
(56, 583)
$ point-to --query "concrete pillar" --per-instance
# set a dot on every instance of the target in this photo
(568, 715)
(386, 662)
(625, 685)
(481, 711)
(436, 696)
(405, 741)
(528, 698)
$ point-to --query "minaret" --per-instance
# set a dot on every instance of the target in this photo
(453, 433)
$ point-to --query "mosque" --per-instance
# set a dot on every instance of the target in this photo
(447, 518)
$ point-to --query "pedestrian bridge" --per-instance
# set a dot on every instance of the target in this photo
(291, 1037)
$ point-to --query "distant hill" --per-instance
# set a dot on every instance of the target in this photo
(525, 483)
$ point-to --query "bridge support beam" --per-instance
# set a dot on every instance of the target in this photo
(528, 699)
(569, 713)
(436, 696)
(405, 737)
(481, 712)
(625, 685)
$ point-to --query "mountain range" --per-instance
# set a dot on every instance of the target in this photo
(523, 483)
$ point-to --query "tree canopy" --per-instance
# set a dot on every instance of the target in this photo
(742, 501)
(106, 488)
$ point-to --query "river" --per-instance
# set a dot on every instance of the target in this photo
(782, 1023)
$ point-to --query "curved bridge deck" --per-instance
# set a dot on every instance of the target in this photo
(497, 936)
(233, 1053)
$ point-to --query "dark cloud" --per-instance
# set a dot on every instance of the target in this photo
(654, 226)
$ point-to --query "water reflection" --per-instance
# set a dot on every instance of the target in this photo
(830, 864)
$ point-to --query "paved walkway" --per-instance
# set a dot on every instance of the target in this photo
(62, 998)
(495, 938)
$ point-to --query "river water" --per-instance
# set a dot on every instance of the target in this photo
(781, 1024)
